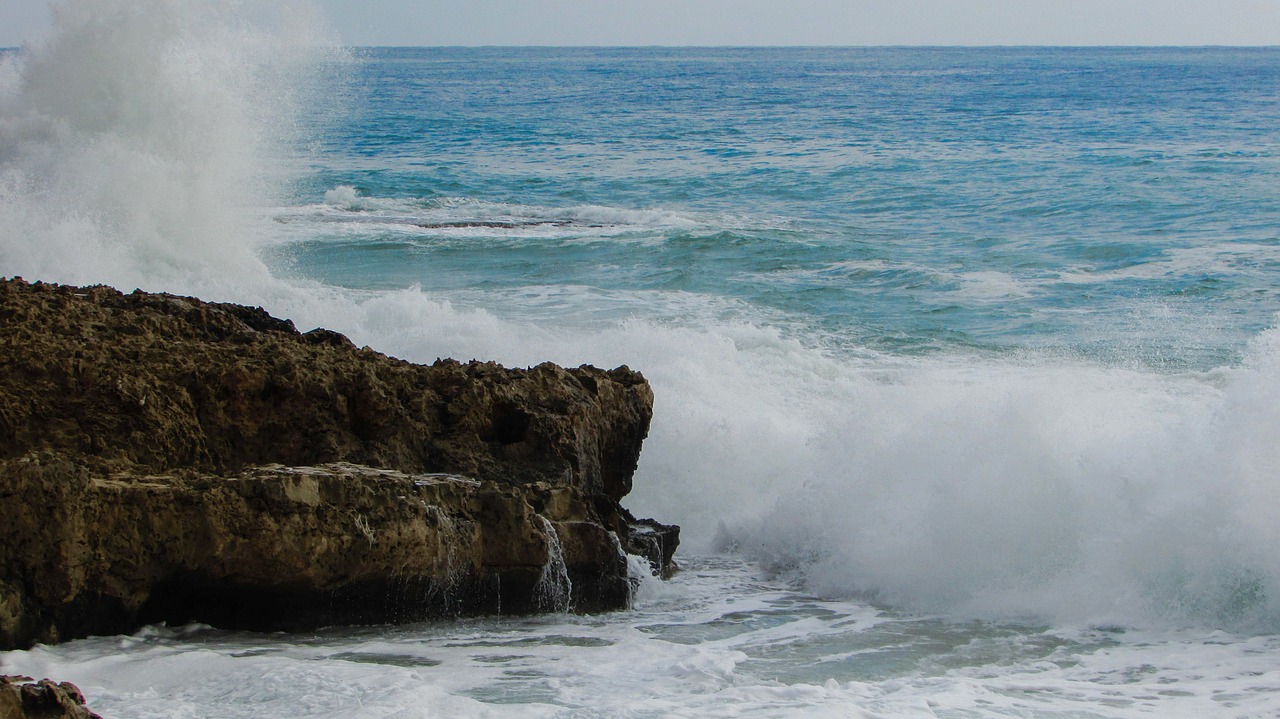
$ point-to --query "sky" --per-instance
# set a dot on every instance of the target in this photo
(766, 22)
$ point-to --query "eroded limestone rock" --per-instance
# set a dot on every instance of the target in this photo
(167, 459)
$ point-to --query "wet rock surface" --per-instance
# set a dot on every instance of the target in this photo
(22, 697)
(167, 459)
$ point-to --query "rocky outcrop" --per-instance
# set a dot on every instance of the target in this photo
(25, 698)
(167, 459)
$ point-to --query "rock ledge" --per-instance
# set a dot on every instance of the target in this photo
(167, 459)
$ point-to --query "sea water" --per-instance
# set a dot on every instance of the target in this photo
(967, 387)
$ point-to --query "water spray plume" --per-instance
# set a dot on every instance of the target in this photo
(144, 137)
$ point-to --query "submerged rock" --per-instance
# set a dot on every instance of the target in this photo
(167, 459)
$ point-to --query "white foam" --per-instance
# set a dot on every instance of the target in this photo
(139, 136)
(344, 197)
(991, 286)
(468, 217)
(1054, 492)
(723, 642)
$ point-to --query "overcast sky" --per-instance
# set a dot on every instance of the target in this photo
(769, 22)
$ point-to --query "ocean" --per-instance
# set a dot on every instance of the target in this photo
(966, 370)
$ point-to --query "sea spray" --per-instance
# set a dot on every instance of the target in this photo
(140, 137)
(1052, 492)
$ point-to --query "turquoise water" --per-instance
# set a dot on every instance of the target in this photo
(965, 376)
(903, 200)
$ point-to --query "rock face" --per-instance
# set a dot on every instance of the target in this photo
(167, 459)
(25, 698)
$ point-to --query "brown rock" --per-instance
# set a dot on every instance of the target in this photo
(166, 459)
(161, 382)
(25, 698)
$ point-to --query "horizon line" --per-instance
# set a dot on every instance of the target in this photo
(923, 46)
(731, 46)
